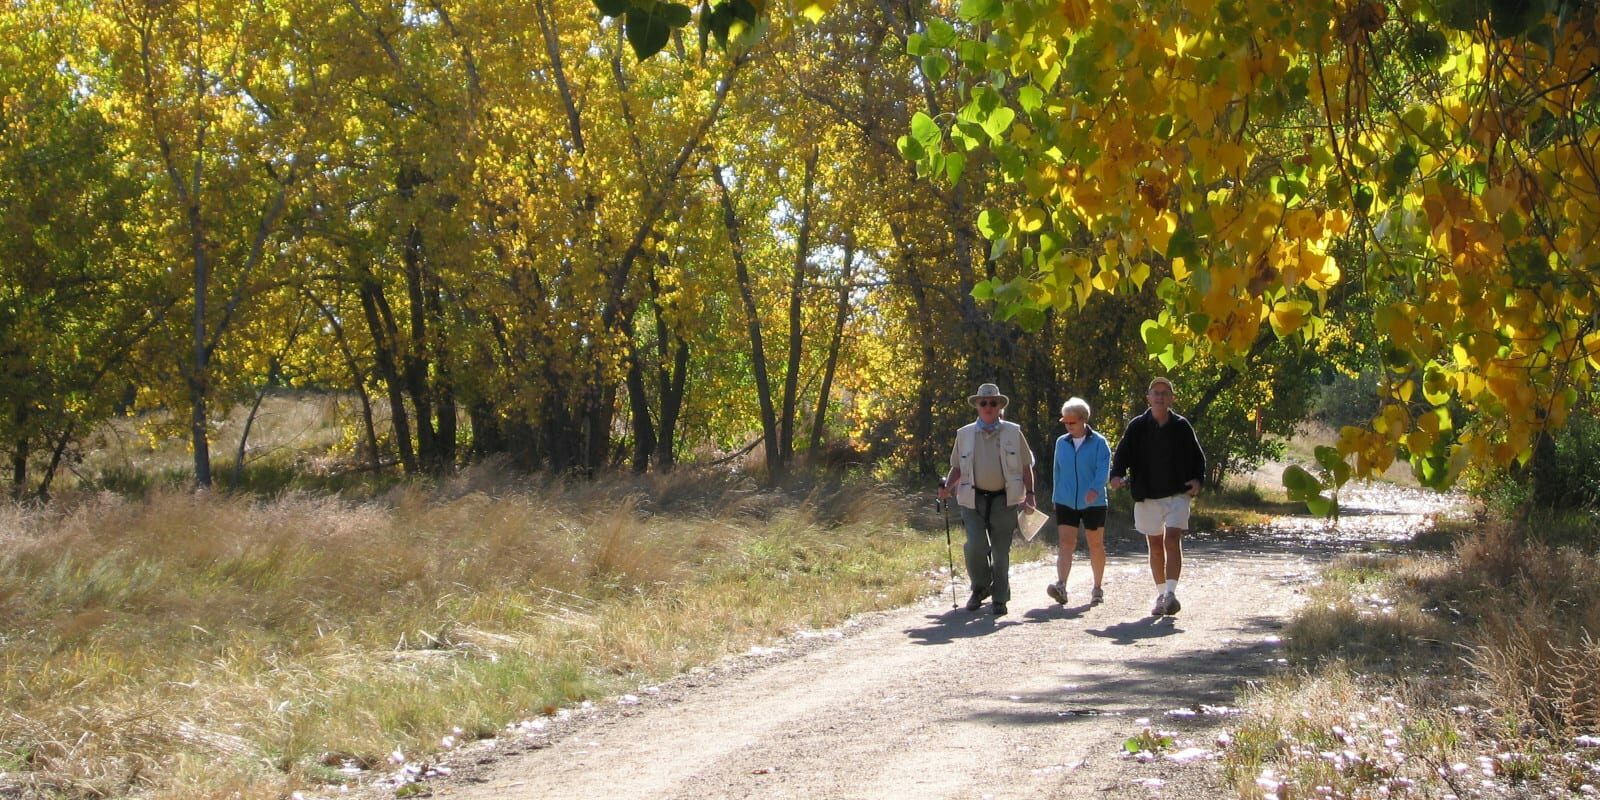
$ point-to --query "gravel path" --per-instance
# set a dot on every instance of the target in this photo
(930, 702)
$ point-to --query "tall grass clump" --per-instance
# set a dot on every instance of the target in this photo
(211, 645)
(1471, 674)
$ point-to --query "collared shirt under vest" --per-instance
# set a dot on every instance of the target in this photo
(985, 457)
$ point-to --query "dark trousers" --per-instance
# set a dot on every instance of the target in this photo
(990, 528)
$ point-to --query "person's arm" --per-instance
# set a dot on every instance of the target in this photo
(1028, 499)
(947, 487)
(1058, 465)
(1123, 455)
(1197, 461)
(1102, 468)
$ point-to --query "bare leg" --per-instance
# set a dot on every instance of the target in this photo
(1158, 558)
(1174, 553)
(1097, 553)
(1069, 543)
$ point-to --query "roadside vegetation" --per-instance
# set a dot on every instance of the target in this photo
(207, 645)
(1465, 666)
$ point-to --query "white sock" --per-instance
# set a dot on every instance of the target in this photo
(1172, 585)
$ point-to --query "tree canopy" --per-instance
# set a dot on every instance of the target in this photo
(1268, 167)
(502, 232)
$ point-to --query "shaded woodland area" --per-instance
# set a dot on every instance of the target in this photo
(505, 235)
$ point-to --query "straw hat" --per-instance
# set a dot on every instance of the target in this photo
(989, 390)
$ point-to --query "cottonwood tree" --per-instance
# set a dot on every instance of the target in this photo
(1224, 150)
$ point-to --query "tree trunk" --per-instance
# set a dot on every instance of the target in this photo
(381, 322)
(200, 369)
(358, 378)
(671, 383)
(19, 469)
(644, 433)
(758, 357)
(672, 388)
(791, 378)
(841, 314)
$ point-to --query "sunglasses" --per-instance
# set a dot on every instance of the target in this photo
(988, 403)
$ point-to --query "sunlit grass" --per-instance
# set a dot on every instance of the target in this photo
(1472, 674)
(209, 645)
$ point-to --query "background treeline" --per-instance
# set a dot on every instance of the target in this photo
(504, 235)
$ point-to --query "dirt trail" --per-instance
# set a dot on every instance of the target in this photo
(930, 702)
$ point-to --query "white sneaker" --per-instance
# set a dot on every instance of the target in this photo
(1057, 593)
(1097, 596)
(1160, 607)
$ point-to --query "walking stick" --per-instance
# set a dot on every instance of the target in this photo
(943, 507)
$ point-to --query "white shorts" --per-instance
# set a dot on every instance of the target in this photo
(1154, 517)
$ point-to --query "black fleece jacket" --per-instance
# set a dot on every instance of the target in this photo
(1163, 458)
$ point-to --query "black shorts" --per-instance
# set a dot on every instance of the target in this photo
(1092, 518)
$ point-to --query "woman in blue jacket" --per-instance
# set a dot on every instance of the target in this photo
(1082, 467)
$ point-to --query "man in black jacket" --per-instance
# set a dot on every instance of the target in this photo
(1162, 451)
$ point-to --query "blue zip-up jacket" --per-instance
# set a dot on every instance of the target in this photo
(1078, 470)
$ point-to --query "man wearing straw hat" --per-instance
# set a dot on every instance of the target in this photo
(991, 474)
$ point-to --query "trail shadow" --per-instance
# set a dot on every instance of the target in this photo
(1193, 687)
(959, 623)
(1135, 630)
(1056, 612)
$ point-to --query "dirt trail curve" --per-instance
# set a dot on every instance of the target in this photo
(930, 702)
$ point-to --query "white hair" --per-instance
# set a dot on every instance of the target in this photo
(1077, 407)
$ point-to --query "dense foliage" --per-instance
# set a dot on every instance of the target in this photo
(1269, 166)
(502, 232)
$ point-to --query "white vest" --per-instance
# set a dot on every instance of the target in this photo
(1012, 463)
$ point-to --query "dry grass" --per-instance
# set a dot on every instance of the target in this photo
(206, 645)
(1473, 674)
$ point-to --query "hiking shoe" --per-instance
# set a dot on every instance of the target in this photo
(977, 598)
(999, 609)
(1160, 607)
(1173, 606)
(1096, 597)
(1057, 593)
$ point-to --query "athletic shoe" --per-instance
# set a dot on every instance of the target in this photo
(1057, 593)
(999, 609)
(1096, 597)
(1173, 606)
(977, 598)
(1160, 607)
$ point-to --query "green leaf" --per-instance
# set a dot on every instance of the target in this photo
(1030, 98)
(992, 224)
(1362, 198)
(983, 290)
(954, 163)
(612, 8)
(974, 54)
(647, 32)
(999, 122)
(941, 33)
(1299, 482)
(676, 15)
(1320, 506)
(1327, 457)
(981, 10)
(999, 249)
(916, 45)
(935, 66)
(925, 130)
(911, 149)
(1156, 336)
(1511, 18)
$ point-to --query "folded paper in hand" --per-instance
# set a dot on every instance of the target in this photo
(1031, 522)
